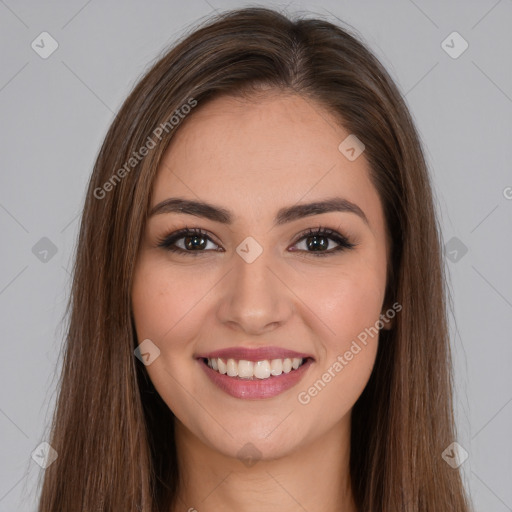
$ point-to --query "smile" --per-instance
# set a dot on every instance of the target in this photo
(254, 374)
(244, 369)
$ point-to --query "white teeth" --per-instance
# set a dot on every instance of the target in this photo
(222, 366)
(258, 369)
(276, 367)
(245, 369)
(262, 370)
(232, 367)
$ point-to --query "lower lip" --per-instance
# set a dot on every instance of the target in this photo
(256, 389)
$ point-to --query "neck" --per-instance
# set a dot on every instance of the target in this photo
(314, 477)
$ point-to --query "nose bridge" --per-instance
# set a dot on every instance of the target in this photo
(253, 297)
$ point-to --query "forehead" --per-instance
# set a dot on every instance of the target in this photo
(259, 154)
(279, 130)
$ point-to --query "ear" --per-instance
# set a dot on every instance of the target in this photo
(389, 323)
(387, 316)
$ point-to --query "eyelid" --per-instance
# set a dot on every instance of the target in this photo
(324, 231)
(343, 241)
(166, 241)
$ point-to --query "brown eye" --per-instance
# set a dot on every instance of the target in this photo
(187, 241)
(319, 242)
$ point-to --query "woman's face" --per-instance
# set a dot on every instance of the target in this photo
(253, 288)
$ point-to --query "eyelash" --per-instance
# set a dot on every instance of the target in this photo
(342, 241)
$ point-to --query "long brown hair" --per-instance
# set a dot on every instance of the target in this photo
(112, 431)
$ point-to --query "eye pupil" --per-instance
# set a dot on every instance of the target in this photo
(315, 245)
(192, 244)
(188, 241)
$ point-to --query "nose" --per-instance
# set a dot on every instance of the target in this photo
(254, 298)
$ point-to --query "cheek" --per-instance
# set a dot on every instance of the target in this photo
(349, 305)
(351, 343)
(346, 301)
(167, 304)
(352, 306)
(334, 389)
(167, 309)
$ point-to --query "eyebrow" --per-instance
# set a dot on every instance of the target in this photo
(284, 215)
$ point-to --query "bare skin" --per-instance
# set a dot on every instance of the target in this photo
(254, 158)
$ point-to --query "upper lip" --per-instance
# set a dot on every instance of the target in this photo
(253, 354)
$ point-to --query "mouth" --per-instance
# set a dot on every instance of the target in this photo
(251, 370)
(255, 373)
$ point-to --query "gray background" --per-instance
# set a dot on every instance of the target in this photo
(55, 113)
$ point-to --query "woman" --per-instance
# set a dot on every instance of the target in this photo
(258, 306)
